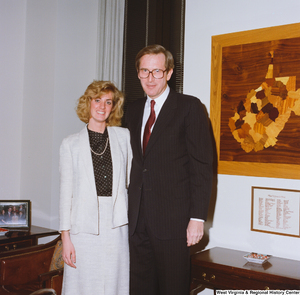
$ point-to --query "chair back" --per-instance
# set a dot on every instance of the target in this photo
(18, 267)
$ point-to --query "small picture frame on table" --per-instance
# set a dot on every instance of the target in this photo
(15, 214)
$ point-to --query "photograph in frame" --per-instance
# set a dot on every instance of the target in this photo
(15, 214)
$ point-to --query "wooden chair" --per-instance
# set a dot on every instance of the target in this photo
(30, 269)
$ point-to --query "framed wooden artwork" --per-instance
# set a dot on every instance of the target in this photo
(276, 211)
(15, 214)
(255, 102)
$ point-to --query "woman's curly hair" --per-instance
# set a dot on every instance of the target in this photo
(96, 90)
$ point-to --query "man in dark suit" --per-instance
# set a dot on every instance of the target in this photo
(171, 178)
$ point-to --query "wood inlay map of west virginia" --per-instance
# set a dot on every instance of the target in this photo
(260, 102)
(262, 115)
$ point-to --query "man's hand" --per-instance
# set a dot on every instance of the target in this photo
(194, 232)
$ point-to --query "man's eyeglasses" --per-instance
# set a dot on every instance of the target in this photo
(156, 73)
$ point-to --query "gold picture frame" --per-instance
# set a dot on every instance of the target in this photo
(244, 165)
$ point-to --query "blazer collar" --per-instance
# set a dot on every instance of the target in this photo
(116, 161)
(84, 147)
(88, 162)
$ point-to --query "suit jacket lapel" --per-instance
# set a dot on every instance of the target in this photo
(87, 157)
(137, 124)
(164, 117)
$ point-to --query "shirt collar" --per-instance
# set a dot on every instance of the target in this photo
(159, 101)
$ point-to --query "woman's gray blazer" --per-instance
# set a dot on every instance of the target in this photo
(78, 195)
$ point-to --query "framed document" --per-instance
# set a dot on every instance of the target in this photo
(275, 211)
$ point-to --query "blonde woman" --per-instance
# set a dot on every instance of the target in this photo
(94, 168)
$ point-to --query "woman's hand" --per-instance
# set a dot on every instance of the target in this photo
(68, 252)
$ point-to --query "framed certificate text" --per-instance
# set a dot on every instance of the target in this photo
(275, 211)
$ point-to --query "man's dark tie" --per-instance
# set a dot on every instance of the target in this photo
(150, 122)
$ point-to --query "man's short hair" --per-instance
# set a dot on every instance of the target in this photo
(155, 49)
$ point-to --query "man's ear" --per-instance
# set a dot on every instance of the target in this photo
(169, 74)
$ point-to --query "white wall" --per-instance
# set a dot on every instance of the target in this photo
(230, 226)
(12, 44)
(48, 57)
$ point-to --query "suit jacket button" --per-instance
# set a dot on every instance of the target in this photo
(145, 170)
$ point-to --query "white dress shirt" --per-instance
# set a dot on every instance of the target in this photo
(159, 101)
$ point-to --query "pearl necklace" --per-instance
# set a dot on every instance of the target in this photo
(103, 150)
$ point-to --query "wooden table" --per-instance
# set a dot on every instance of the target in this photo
(221, 268)
(24, 238)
